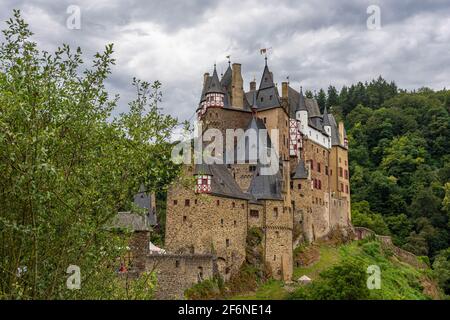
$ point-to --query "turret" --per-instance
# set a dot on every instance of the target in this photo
(203, 177)
(326, 122)
(301, 113)
(214, 94)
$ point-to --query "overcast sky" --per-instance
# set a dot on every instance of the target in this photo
(315, 43)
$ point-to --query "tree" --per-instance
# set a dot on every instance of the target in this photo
(332, 97)
(441, 270)
(67, 168)
(321, 98)
(363, 217)
(345, 281)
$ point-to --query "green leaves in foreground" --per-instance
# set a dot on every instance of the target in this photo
(67, 168)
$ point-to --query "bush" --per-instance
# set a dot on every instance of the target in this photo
(346, 281)
(206, 290)
(372, 249)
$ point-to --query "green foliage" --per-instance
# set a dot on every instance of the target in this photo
(206, 290)
(362, 216)
(399, 161)
(68, 167)
(345, 281)
(441, 267)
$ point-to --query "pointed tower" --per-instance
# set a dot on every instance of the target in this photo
(214, 94)
(267, 93)
(301, 113)
(326, 122)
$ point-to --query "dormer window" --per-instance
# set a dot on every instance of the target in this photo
(203, 184)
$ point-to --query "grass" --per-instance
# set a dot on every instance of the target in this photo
(329, 255)
(399, 281)
(271, 290)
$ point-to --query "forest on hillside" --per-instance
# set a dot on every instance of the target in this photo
(399, 163)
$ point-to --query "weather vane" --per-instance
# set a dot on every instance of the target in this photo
(229, 59)
(265, 52)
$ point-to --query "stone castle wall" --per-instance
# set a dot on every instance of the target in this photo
(209, 224)
(177, 272)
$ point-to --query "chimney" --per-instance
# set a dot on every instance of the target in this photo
(205, 77)
(252, 85)
(284, 89)
(237, 87)
(341, 132)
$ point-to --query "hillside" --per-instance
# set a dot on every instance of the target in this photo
(399, 280)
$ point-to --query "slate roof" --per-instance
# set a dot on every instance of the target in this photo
(265, 187)
(227, 77)
(297, 102)
(202, 169)
(142, 199)
(268, 96)
(214, 85)
(335, 141)
(326, 120)
(205, 85)
(300, 171)
(222, 183)
(130, 221)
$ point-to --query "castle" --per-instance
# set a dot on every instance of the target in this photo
(304, 200)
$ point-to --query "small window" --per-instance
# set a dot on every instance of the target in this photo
(195, 201)
(252, 168)
(299, 186)
(277, 234)
(274, 257)
(177, 263)
(187, 203)
(326, 170)
(275, 212)
(292, 185)
(318, 167)
(184, 218)
(254, 213)
(175, 202)
(227, 242)
(227, 270)
(218, 202)
(233, 204)
(221, 222)
(243, 206)
(235, 223)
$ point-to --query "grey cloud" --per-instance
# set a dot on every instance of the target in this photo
(315, 44)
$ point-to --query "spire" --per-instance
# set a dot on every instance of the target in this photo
(326, 121)
(214, 84)
(266, 80)
(301, 106)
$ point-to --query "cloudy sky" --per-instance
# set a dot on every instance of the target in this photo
(315, 43)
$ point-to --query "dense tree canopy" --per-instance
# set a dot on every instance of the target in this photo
(399, 161)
